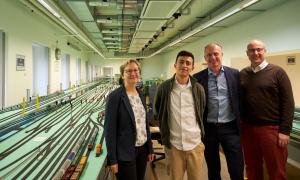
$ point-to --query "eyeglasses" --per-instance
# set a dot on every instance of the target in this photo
(135, 71)
(259, 50)
(187, 63)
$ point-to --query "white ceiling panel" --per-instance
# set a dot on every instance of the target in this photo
(161, 9)
(143, 34)
(81, 9)
(139, 41)
(146, 25)
(97, 35)
(91, 26)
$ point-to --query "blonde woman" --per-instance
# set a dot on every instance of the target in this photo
(127, 128)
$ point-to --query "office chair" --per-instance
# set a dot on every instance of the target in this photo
(155, 135)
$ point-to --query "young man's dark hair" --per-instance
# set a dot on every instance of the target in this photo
(185, 53)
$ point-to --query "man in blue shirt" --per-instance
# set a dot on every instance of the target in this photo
(221, 115)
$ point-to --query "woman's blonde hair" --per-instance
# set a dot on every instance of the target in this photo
(122, 67)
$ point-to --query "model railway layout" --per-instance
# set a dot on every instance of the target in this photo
(60, 140)
(295, 134)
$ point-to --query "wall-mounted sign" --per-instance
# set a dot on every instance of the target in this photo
(291, 60)
(20, 63)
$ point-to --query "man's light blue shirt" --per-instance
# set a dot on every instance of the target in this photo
(219, 109)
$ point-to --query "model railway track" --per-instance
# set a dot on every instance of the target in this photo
(14, 126)
(45, 127)
(73, 129)
(53, 99)
(295, 134)
(31, 102)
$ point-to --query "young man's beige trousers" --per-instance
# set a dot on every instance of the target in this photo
(179, 161)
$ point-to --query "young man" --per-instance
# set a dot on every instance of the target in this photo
(179, 105)
(267, 116)
(221, 116)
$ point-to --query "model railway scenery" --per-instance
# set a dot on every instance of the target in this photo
(60, 137)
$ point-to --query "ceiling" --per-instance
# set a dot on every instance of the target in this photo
(143, 28)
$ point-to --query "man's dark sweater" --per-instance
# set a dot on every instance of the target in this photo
(267, 97)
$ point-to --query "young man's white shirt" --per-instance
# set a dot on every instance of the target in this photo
(185, 133)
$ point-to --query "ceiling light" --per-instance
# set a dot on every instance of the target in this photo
(56, 14)
(248, 4)
(49, 8)
(69, 26)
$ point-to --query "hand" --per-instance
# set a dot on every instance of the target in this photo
(114, 168)
(283, 140)
(150, 157)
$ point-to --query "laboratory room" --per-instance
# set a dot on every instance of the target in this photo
(150, 89)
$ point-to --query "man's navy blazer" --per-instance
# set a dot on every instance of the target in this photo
(233, 83)
(120, 127)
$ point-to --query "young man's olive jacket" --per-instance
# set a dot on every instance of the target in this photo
(162, 104)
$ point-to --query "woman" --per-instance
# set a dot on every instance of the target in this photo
(127, 132)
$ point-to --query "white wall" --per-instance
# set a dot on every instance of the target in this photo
(152, 68)
(100, 62)
(293, 71)
(23, 28)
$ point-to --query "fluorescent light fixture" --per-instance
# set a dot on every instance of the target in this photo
(248, 3)
(218, 18)
(175, 42)
(209, 24)
(49, 8)
(56, 14)
(69, 26)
